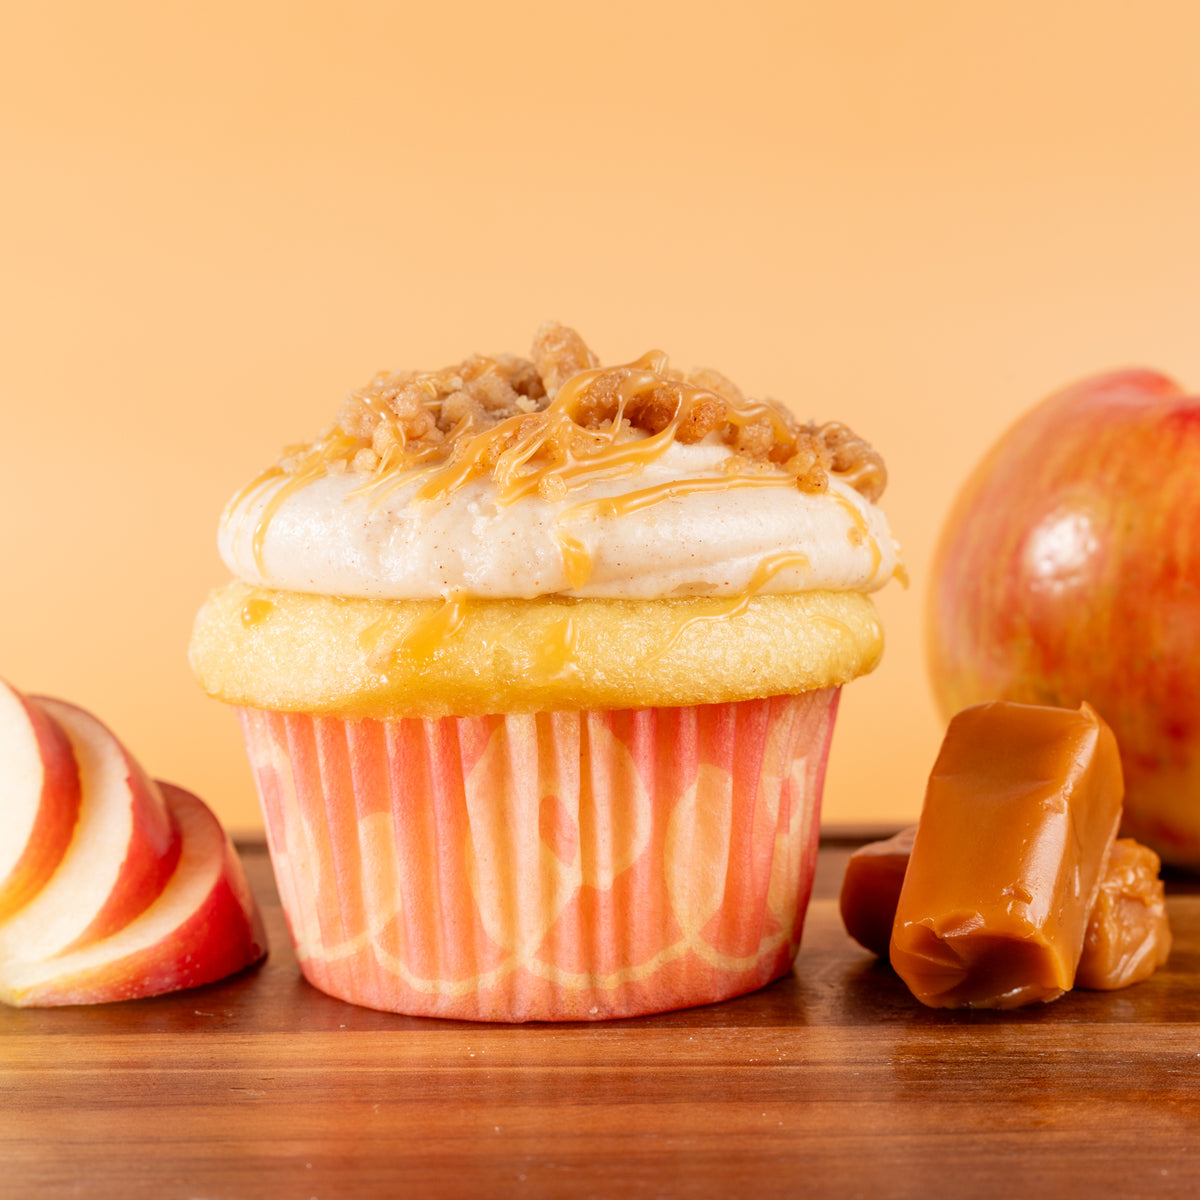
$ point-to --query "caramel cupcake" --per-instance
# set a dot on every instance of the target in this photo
(537, 663)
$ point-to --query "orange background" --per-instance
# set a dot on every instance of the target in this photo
(916, 216)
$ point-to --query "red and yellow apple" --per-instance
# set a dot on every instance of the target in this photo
(111, 885)
(1069, 571)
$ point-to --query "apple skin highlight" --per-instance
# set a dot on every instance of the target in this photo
(1069, 571)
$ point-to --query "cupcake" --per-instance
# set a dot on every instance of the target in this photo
(537, 663)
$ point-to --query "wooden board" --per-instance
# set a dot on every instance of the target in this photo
(833, 1082)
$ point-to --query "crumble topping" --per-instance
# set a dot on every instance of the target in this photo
(536, 423)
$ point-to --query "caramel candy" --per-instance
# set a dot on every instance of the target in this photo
(871, 890)
(1020, 813)
(1128, 937)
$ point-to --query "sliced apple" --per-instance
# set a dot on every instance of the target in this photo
(40, 798)
(203, 926)
(124, 848)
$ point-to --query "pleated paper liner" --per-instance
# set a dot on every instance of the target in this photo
(554, 866)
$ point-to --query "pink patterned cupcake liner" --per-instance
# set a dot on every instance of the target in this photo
(548, 866)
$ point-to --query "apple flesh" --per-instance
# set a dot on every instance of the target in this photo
(202, 927)
(40, 798)
(1069, 571)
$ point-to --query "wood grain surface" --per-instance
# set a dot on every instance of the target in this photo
(833, 1082)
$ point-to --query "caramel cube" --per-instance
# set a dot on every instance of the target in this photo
(1128, 936)
(1020, 813)
(871, 890)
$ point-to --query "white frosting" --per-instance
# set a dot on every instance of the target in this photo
(334, 537)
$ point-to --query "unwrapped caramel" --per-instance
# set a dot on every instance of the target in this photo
(1128, 936)
(1020, 813)
(871, 890)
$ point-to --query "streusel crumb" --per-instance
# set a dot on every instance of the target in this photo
(531, 422)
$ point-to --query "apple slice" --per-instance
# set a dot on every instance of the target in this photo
(124, 848)
(40, 798)
(203, 926)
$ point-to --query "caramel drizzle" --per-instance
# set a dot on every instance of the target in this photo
(736, 605)
(256, 610)
(859, 532)
(421, 640)
(554, 657)
(314, 463)
(549, 451)
(554, 431)
(574, 454)
(629, 502)
(576, 558)
(577, 561)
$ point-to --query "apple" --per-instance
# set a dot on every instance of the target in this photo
(40, 798)
(112, 885)
(203, 926)
(120, 853)
(1069, 571)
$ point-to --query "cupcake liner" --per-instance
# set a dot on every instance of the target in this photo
(546, 866)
